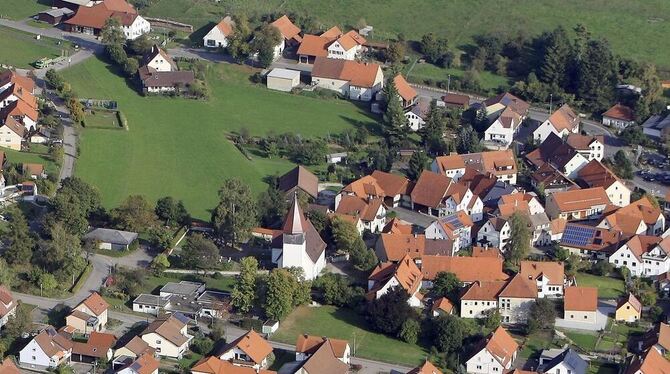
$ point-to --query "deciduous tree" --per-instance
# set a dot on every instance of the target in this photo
(199, 253)
(235, 215)
(134, 214)
(519, 240)
(416, 165)
(387, 313)
(244, 291)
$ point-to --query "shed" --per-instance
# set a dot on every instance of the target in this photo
(55, 16)
(111, 239)
(283, 79)
(270, 326)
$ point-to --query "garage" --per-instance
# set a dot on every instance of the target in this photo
(283, 79)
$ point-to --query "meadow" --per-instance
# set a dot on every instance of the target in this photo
(180, 147)
(21, 49)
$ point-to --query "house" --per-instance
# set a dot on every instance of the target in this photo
(9, 78)
(591, 147)
(501, 164)
(110, 239)
(639, 217)
(549, 277)
(567, 361)
(299, 179)
(456, 101)
(619, 116)
(426, 368)
(563, 122)
(7, 305)
(89, 316)
(495, 354)
(16, 92)
(651, 362)
(657, 127)
(42, 135)
(580, 304)
(9, 367)
(590, 242)
(595, 174)
(91, 19)
(466, 269)
(558, 154)
(55, 16)
(486, 186)
(441, 306)
(504, 128)
(479, 298)
(280, 79)
(34, 171)
(394, 246)
(22, 112)
(249, 350)
(643, 255)
(288, 30)
(346, 46)
(313, 46)
(160, 74)
(586, 203)
(516, 299)
(300, 245)
(217, 37)
(417, 115)
(372, 213)
(388, 275)
(215, 365)
(135, 348)
(324, 355)
(494, 233)
(406, 93)
(550, 179)
(47, 350)
(528, 205)
(658, 338)
(354, 80)
(456, 227)
(186, 298)
(168, 335)
(98, 347)
(438, 195)
(486, 252)
(307, 345)
(628, 309)
(145, 364)
(498, 104)
(392, 188)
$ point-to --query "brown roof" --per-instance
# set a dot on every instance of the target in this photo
(214, 365)
(225, 26)
(96, 303)
(378, 184)
(32, 169)
(150, 77)
(396, 226)
(324, 361)
(295, 223)
(632, 300)
(145, 364)
(52, 343)
(575, 200)
(301, 178)
(287, 29)
(510, 101)
(405, 271)
(553, 271)
(466, 269)
(641, 244)
(621, 112)
(581, 299)
(501, 345)
(309, 344)
(119, 6)
(360, 74)
(520, 287)
(138, 346)
(169, 328)
(483, 290)
(404, 89)
(486, 252)
(595, 174)
(9, 76)
(7, 303)
(352, 206)
(442, 304)
(19, 108)
(564, 118)
(21, 93)
(450, 162)
(253, 345)
(98, 345)
(313, 45)
(456, 99)
(430, 189)
(96, 16)
(350, 40)
(652, 362)
(426, 368)
(9, 367)
(582, 142)
(332, 33)
(628, 218)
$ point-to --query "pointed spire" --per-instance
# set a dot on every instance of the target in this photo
(294, 222)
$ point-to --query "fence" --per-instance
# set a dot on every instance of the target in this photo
(168, 24)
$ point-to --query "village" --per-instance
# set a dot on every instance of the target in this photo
(265, 193)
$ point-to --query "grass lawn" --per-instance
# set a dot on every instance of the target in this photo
(596, 367)
(179, 147)
(102, 119)
(425, 71)
(346, 324)
(39, 24)
(38, 155)
(624, 24)
(534, 343)
(583, 340)
(26, 49)
(20, 9)
(608, 287)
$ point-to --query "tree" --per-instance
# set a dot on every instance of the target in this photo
(557, 59)
(387, 313)
(467, 140)
(48, 282)
(238, 43)
(362, 257)
(602, 268)
(134, 214)
(624, 168)
(284, 292)
(160, 263)
(409, 331)
(542, 315)
(160, 237)
(111, 33)
(141, 45)
(416, 165)
(171, 211)
(448, 332)
(21, 241)
(235, 215)
(347, 239)
(202, 345)
(492, 318)
(395, 52)
(76, 110)
(446, 284)
(7, 275)
(62, 254)
(432, 134)
(394, 123)
(54, 79)
(272, 206)
(218, 330)
(19, 323)
(244, 290)
(596, 76)
(519, 240)
(434, 49)
(74, 203)
(335, 288)
(264, 42)
(130, 66)
(199, 253)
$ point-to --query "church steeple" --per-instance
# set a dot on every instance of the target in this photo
(294, 223)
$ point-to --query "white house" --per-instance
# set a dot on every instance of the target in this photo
(389, 275)
(417, 114)
(139, 26)
(46, 351)
(595, 174)
(347, 46)
(249, 350)
(549, 277)
(643, 255)
(372, 214)
(566, 362)
(494, 233)
(591, 147)
(307, 345)
(479, 298)
(501, 164)
(504, 128)
(300, 245)
(159, 60)
(495, 355)
(89, 315)
(354, 80)
(280, 79)
(217, 37)
(581, 305)
(12, 134)
(562, 122)
(7, 305)
(168, 335)
(619, 116)
(456, 227)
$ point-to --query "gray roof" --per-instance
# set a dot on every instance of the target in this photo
(58, 12)
(539, 219)
(111, 236)
(182, 288)
(77, 2)
(570, 358)
(153, 300)
(499, 189)
(284, 73)
(657, 122)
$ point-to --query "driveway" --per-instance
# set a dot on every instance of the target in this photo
(605, 307)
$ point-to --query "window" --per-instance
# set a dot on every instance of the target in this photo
(586, 317)
(158, 342)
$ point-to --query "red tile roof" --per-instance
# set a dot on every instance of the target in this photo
(466, 269)
(404, 89)
(621, 112)
(583, 299)
(359, 74)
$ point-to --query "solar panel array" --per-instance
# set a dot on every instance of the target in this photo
(577, 235)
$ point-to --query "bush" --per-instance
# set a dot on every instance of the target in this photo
(409, 331)
(123, 121)
(202, 345)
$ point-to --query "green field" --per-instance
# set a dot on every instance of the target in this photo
(21, 49)
(102, 119)
(20, 9)
(39, 155)
(636, 29)
(346, 324)
(608, 287)
(179, 147)
(425, 71)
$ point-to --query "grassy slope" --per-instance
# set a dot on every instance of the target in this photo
(623, 22)
(179, 147)
(608, 287)
(20, 9)
(25, 49)
(17, 157)
(346, 324)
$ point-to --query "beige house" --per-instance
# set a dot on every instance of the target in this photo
(134, 348)
(516, 299)
(168, 335)
(249, 350)
(90, 315)
(581, 304)
(11, 134)
(354, 80)
(7, 305)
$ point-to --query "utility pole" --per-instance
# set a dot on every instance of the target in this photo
(448, 82)
(551, 102)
